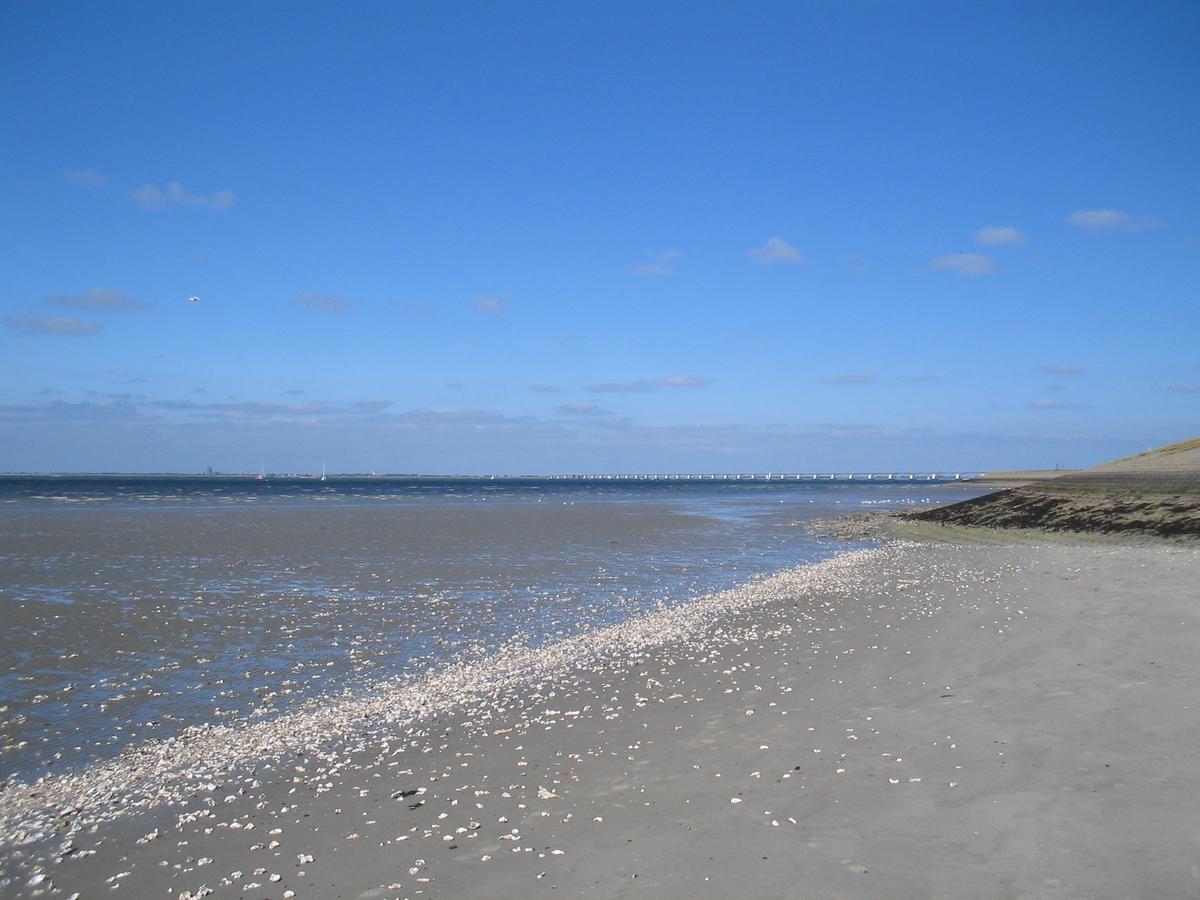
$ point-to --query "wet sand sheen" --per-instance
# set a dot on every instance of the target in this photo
(912, 721)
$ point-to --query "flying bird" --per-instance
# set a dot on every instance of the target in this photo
(194, 299)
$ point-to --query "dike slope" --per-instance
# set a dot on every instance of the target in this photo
(1156, 493)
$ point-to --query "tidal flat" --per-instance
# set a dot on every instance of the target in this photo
(138, 608)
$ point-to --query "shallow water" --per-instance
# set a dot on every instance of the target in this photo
(136, 608)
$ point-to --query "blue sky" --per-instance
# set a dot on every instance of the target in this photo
(597, 237)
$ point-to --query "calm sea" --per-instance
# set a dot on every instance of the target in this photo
(136, 606)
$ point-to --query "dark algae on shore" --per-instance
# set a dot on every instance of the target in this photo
(1156, 493)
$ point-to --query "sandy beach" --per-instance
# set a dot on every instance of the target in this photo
(919, 720)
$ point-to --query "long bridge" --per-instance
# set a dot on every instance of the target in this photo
(776, 476)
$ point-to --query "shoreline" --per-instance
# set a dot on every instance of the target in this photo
(166, 770)
(843, 731)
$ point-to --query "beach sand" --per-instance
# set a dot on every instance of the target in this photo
(920, 720)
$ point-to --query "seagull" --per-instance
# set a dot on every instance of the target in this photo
(194, 299)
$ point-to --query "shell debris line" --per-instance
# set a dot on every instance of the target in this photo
(194, 761)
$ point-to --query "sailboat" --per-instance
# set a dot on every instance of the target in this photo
(322, 470)
(262, 472)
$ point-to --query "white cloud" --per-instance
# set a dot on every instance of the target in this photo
(320, 302)
(776, 250)
(1110, 220)
(1184, 388)
(964, 264)
(97, 298)
(151, 197)
(544, 388)
(999, 236)
(1060, 368)
(660, 264)
(493, 305)
(850, 378)
(63, 325)
(85, 177)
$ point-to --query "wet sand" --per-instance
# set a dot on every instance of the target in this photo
(920, 720)
(123, 625)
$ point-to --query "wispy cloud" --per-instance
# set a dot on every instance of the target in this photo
(851, 378)
(97, 299)
(544, 388)
(968, 264)
(1111, 220)
(490, 304)
(63, 412)
(617, 387)
(1184, 388)
(582, 409)
(55, 325)
(150, 196)
(85, 177)
(367, 407)
(1060, 368)
(1044, 404)
(776, 250)
(659, 264)
(330, 303)
(254, 410)
(999, 236)
(646, 384)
